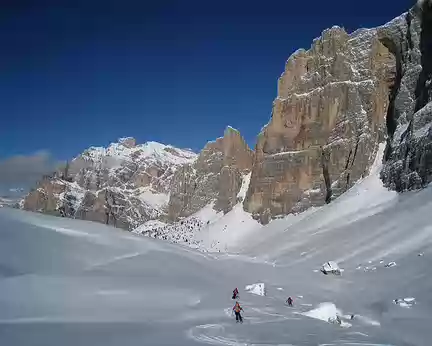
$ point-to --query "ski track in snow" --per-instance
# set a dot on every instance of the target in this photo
(347, 343)
(113, 260)
(217, 334)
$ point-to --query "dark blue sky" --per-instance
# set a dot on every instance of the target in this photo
(81, 73)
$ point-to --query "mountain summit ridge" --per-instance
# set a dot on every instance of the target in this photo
(123, 184)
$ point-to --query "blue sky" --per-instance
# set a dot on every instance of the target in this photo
(81, 73)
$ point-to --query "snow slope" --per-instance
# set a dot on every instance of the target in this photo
(72, 282)
(207, 229)
(368, 222)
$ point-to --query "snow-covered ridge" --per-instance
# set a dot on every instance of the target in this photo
(124, 184)
(140, 152)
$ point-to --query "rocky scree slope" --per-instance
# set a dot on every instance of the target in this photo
(123, 185)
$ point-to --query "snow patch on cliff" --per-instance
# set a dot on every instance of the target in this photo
(244, 187)
(157, 200)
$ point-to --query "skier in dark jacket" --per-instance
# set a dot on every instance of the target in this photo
(235, 293)
(237, 309)
(289, 301)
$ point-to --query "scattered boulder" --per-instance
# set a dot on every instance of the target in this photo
(258, 289)
(331, 267)
(405, 302)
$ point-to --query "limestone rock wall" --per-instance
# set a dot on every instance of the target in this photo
(327, 121)
(408, 161)
(216, 175)
(45, 197)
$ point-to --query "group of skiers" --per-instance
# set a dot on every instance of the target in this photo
(237, 309)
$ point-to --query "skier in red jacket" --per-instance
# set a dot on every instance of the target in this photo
(237, 309)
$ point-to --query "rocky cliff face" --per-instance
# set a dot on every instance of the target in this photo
(335, 103)
(328, 119)
(216, 175)
(123, 185)
(126, 185)
(409, 119)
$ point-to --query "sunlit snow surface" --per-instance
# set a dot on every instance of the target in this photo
(70, 282)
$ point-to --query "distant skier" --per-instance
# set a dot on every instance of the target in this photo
(289, 301)
(235, 293)
(237, 309)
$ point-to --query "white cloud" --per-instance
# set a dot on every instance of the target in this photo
(24, 170)
(16, 189)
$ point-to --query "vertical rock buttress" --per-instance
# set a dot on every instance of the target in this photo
(408, 159)
(327, 121)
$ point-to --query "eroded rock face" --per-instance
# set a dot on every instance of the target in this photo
(408, 161)
(113, 207)
(123, 185)
(45, 198)
(327, 122)
(229, 184)
(215, 175)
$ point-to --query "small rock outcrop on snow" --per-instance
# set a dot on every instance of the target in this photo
(258, 289)
(331, 267)
(405, 302)
(390, 264)
(328, 312)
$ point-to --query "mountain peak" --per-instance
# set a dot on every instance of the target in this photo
(124, 184)
(128, 142)
(231, 130)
